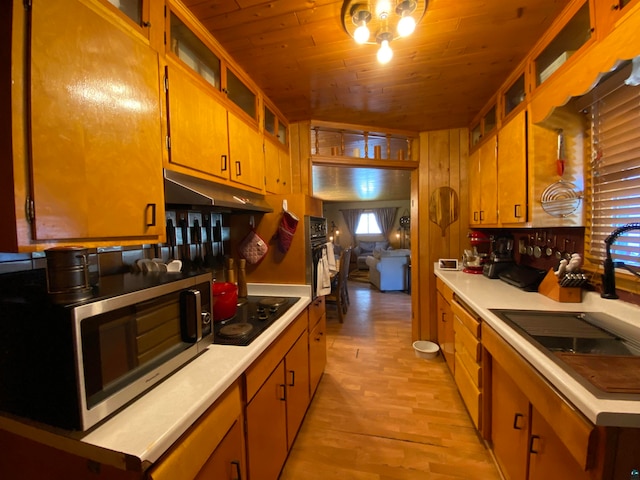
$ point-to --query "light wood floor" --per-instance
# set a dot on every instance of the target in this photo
(381, 413)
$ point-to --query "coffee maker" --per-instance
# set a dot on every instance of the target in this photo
(473, 260)
(500, 257)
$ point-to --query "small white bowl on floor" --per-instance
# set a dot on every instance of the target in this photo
(426, 349)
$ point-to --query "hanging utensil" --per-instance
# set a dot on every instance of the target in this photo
(530, 246)
(560, 153)
(549, 250)
(561, 198)
(522, 246)
(537, 250)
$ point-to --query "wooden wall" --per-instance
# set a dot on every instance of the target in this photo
(443, 163)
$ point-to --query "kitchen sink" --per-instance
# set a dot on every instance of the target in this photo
(583, 344)
(571, 332)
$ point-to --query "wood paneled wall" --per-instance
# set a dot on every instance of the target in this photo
(443, 163)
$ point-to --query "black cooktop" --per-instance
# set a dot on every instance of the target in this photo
(254, 315)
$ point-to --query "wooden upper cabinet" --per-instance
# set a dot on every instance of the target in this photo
(569, 36)
(241, 95)
(483, 178)
(197, 124)
(475, 187)
(488, 179)
(514, 96)
(484, 126)
(96, 142)
(246, 153)
(277, 168)
(512, 170)
(609, 12)
(276, 153)
(192, 52)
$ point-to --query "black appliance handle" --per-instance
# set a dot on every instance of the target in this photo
(191, 315)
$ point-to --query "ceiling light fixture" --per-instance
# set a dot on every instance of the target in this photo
(381, 21)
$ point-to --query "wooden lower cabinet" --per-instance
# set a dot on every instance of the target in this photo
(226, 461)
(214, 443)
(317, 353)
(468, 359)
(297, 385)
(445, 324)
(535, 433)
(278, 393)
(524, 444)
(275, 413)
(548, 455)
(267, 428)
(510, 418)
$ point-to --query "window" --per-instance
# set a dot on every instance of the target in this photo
(615, 170)
(131, 8)
(368, 225)
(194, 53)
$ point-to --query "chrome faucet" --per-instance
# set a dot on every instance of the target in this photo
(609, 276)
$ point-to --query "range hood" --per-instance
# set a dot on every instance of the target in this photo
(181, 189)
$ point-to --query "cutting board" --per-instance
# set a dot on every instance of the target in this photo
(443, 207)
(610, 373)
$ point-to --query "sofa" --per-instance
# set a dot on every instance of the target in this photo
(388, 269)
(366, 249)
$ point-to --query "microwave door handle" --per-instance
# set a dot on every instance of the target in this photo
(191, 315)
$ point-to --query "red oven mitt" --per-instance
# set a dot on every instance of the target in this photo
(286, 230)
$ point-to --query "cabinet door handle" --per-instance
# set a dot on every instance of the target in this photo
(223, 158)
(152, 207)
(531, 440)
(283, 397)
(475, 216)
(515, 421)
(238, 168)
(319, 336)
(516, 210)
(293, 378)
(444, 317)
(236, 464)
(481, 215)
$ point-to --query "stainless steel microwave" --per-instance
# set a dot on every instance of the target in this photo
(72, 366)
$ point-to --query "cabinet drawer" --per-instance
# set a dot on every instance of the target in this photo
(467, 361)
(260, 370)
(464, 338)
(317, 353)
(469, 320)
(191, 451)
(469, 392)
(316, 311)
(446, 292)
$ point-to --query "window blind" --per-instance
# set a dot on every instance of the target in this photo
(614, 182)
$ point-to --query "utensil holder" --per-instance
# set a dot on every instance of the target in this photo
(550, 287)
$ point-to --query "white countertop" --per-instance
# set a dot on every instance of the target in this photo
(483, 294)
(141, 432)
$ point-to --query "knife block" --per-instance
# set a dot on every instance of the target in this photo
(550, 287)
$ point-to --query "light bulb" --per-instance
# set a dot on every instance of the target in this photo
(383, 7)
(385, 54)
(361, 35)
(406, 26)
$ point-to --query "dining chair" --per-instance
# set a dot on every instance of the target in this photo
(339, 293)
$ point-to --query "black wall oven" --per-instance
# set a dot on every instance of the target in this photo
(316, 238)
(72, 366)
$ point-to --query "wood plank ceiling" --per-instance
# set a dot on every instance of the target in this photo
(299, 54)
